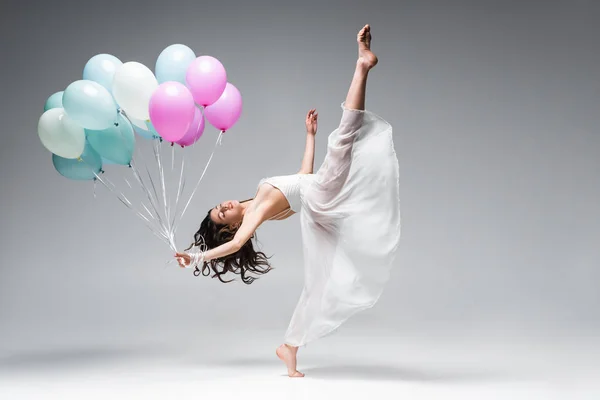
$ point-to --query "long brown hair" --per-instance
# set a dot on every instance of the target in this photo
(243, 261)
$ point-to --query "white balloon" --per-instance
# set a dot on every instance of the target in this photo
(60, 134)
(132, 87)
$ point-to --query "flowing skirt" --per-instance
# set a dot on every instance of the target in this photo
(350, 222)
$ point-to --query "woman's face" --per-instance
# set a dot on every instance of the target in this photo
(227, 213)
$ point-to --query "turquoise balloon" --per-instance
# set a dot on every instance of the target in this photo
(173, 62)
(101, 69)
(54, 101)
(79, 170)
(90, 105)
(150, 133)
(106, 161)
(115, 143)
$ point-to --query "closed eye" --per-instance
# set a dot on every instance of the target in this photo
(219, 214)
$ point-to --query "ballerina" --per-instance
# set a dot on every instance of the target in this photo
(349, 214)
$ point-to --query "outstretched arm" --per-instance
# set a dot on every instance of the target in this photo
(309, 151)
(250, 223)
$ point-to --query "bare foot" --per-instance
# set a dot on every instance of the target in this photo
(287, 354)
(365, 56)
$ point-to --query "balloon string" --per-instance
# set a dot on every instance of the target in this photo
(128, 204)
(179, 192)
(172, 157)
(219, 139)
(167, 225)
(110, 183)
(148, 211)
(138, 177)
(155, 198)
(131, 164)
(163, 225)
(148, 195)
(154, 219)
(168, 199)
(157, 154)
(123, 199)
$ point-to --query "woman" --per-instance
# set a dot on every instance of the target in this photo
(349, 213)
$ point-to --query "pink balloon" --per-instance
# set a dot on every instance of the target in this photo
(226, 111)
(171, 110)
(194, 131)
(206, 77)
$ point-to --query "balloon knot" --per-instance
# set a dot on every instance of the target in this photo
(116, 124)
(172, 144)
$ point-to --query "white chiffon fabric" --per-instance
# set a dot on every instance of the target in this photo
(350, 220)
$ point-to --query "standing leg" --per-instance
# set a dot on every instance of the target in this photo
(334, 175)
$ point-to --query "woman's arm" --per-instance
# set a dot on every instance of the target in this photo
(250, 223)
(309, 151)
(221, 251)
(185, 260)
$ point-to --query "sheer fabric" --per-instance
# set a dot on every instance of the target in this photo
(350, 222)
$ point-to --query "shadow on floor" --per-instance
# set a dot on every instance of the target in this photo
(369, 371)
(408, 374)
(70, 358)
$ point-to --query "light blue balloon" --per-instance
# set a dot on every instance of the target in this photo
(173, 62)
(115, 143)
(106, 161)
(149, 133)
(54, 101)
(79, 170)
(90, 105)
(101, 69)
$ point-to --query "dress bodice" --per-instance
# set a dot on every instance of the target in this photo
(291, 186)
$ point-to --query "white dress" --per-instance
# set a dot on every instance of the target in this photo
(350, 222)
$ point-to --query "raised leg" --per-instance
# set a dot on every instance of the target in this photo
(366, 60)
(333, 172)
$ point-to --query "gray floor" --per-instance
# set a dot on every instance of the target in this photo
(381, 365)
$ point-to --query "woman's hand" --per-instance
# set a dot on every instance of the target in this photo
(183, 259)
(311, 121)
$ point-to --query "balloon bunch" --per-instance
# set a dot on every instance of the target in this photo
(94, 122)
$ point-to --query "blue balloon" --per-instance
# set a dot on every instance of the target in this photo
(173, 62)
(106, 161)
(115, 143)
(90, 105)
(79, 170)
(101, 69)
(149, 133)
(54, 101)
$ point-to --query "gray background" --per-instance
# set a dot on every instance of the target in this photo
(495, 112)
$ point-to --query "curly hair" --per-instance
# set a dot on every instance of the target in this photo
(243, 261)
